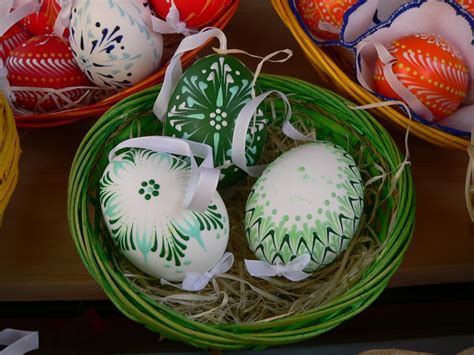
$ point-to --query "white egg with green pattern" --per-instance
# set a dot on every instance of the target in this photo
(141, 196)
(308, 201)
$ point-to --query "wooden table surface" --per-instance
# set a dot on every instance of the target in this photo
(38, 260)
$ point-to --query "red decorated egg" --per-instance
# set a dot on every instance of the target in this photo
(12, 39)
(194, 13)
(431, 69)
(324, 17)
(468, 5)
(44, 62)
(42, 22)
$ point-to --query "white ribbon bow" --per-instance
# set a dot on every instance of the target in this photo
(173, 24)
(196, 282)
(175, 69)
(18, 341)
(204, 178)
(21, 9)
(242, 124)
(62, 21)
(293, 271)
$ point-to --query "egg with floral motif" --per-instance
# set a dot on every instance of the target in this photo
(196, 13)
(15, 36)
(308, 201)
(113, 42)
(430, 68)
(46, 63)
(324, 17)
(141, 196)
(205, 106)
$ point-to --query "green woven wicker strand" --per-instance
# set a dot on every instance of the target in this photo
(333, 120)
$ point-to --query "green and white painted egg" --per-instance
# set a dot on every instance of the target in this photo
(205, 105)
(141, 195)
(308, 201)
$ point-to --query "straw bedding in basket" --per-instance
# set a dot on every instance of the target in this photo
(237, 311)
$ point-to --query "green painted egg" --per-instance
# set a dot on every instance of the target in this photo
(205, 105)
(308, 201)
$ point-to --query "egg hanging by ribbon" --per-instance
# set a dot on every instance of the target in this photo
(44, 62)
(42, 22)
(196, 13)
(113, 43)
(141, 196)
(308, 201)
(15, 36)
(324, 17)
(204, 106)
(431, 69)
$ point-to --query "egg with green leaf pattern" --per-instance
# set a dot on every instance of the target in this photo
(308, 201)
(204, 106)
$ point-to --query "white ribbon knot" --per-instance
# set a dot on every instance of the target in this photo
(172, 24)
(18, 341)
(12, 11)
(62, 21)
(293, 271)
(196, 282)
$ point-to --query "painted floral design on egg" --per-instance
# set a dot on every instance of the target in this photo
(141, 195)
(205, 105)
(308, 201)
(12, 39)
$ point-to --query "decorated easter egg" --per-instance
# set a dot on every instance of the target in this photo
(44, 62)
(141, 195)
(15, 36)
(42, 22)
(113, 43)
(194, 13)
(324, 17)
(205, 105)
(308, 201)
(467, 5)
(431, 69)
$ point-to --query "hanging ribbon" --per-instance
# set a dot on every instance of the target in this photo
(62, 21)
(173, 24)
(293, 271)
(242, 125)
(388, 61)
(18, 341)
(204, 178)
(175, 69)
(21, 9)
(196, 282)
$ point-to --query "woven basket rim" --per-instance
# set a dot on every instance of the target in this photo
(323, 62)
(237, 336)
(60, 118)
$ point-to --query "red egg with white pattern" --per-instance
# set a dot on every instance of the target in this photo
(324, 17)
(196, 13)
(432, 70)
(45, 62)
(42, 22)
(15, 36)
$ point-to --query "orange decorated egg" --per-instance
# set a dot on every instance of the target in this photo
(324, 17)
(468, 5)
(42, 22)
(431, 69)
(12, 39)
(44, 62)
(195, 13)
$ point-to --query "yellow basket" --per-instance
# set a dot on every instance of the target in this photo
(332, 70)
(9, 154)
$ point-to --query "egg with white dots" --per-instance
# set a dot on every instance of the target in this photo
(113, 42)
(308, 201)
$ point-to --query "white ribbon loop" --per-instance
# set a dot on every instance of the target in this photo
(18, 341)
(196, 282)
(62, 21)
(204, 178)
(21, 9)
(243, 123)
(172, 24)
(293, 271)
(175, 70)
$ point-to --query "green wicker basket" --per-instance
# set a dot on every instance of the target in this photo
(389, 217)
